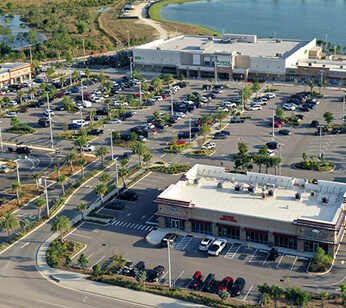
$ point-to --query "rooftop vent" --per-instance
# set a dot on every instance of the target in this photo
(264, 193)
(279, 54)
(197, 181)
(219, 185)
(298, 196)
(325, 200)
(279, 41)
(313, 194)
(210, 38)
(271, 192)
(252, 188)
(310, 64)
(158, 48)
(239, 187)
(323, 65)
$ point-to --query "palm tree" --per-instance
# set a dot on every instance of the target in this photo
(91, 114)
(61, 180)
(105, 178)
(102, 81)
(259, 161)
(123, 173)
(32, 92)
(87, 72)
(147, 157)
(275, 292)
(70, 157)
(75, 75)
(276, 163)
(16, 187)
(101, 190)
(61, 225)
(40, 203)
(320, 86)
(62, 80)
(81, 208)
(80, 142)
(221, 115)
(9, 222)
(20, 95)
(35, 176)
(82, 162)
(102, 152)
(107, 102)
(140, 149)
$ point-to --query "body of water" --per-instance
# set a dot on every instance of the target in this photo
(17, 26)
(292, 19)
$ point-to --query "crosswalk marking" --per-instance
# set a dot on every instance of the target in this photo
(125, 224)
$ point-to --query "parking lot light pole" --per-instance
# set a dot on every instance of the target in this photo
(140, 94)
(280, 145)
(111, 135)
(273, 134)
(131, 66)
(50, 124)
(169, 263)
(343, 105)
(171, 102)
(190, 126)
(128, 38)
(320, 128)
(1, 144)
(116, 172)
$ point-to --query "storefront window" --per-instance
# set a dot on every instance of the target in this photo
(286, 242)
(311, 246)
(175, 223)
(229, 233)
(257, 237)
(201, 228)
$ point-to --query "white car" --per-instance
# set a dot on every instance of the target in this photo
(10, 115)
(141, 138)
(217, 247)
(271, 95)
(149, 125)
(48, 112)
(88, 148)
(206, 243)
(288, 107)
(221, 108)
(12, 103)
(255, 107)
(180, 114)
(271, 153)
(114, 121)
(209, 146)
(158, 98)
(229, 104)
(4, 169)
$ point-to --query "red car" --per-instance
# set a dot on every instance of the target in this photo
(276, 123)
(180, 142)
(225, 284)
(136, 95)
(197, 279)
(199, 123)
(59, 94)
(163, 96)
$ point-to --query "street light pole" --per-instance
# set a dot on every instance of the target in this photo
(169, 264)
(280, 158)
(131, 66)
(50, 124)
(140, 94)
(320, 128)
(128, 39)
(1, 144)
(112, 151)
(190, 127)
(273, 133)
(83, 46)
(171, 102)
(46, 192)
(18, 177)
(215, 69)
(116, 172)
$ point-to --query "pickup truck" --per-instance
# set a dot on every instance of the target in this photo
(237, 120)
(20, 150)
(95, 132)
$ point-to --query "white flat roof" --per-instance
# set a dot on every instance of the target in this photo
(266, 48)
(282, 207)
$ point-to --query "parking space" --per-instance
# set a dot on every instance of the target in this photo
(301, 264)
(259, 257)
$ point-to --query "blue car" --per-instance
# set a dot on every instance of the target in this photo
(39, 80)
(74, 90)
(74, 126)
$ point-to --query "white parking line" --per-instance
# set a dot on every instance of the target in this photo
(135, 226)
(279, 261)
(187, 286)
(82, 235)
(253, 255)
(162, 277)
(151, 228)
(294, 262)
(90, 256)
(266, 259)
(247, 293)
(99, 261)
(177, 278)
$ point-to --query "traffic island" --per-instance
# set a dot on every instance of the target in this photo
(315, 166)
(202, 152)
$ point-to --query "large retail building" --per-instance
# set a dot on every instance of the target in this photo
(242, 57)
(254, 207)
(11, 73)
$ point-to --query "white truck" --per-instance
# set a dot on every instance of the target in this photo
(80, 122)
(87, 104)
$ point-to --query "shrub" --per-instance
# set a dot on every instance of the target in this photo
(175, 168)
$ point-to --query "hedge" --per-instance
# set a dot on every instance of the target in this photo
(175, 168)
(21, 130)
(316, 166)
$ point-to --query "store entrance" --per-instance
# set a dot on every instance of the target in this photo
(175, 223)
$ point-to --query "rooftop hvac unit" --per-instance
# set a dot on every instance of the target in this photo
(239, 188)
(252, 188)
(219, 185)
(313, 194)
(271, 192)
(196, 181)
(279, 41)
(310, 64)
(298, 196)
(158, 48)
(279, 54)
(325, 200)
(210, 38)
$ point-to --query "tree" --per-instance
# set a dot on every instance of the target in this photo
(141, 276)
(61, 225)
(82, 260)
(75, 75)
(107, 102)
(133, 136)
(276, 163)
(35, 176)
(87, 72)
(245, 95)
(320, 86)
(305, 156)
(61, 179)
(97, 270)
(65, 128)
(323, 297)
(259, 160)
(242, 148)
(16, 188)
(279, 112)
(124, 162)
(9, 222)
(256, 86)
(263, 289)
(224, 295)
(80, 142)
(206, 118)
(204, 130)
(68, 261)
(302, 298)
(70, 157)
(181, 77)
(32, 92)
(123, 172)
(147, 157)
(101, 190)
(275, 292)
(105, 178)
(40, 203)
(140, 149)
(221, 115)
(6, 34)
(102, 152)
(156, 83)
(82, 162)
(291, 295)
(167, 78)
(62, 79)
(328, 117)
(92, 114)
(81, 208)
(20, 95)
(323, 158)
(268, 162)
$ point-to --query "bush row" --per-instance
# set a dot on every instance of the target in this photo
(316, 166)
(175, 168)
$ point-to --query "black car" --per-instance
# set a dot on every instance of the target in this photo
(305, 109)
(210, 95)
(127, 155)
(156, 273)
(273, 254)
(220, 135)
(115, 205)
(284, 132)
(129, 195)
(95, 132)
(21, 150)
(101, 112)
(88, 118)
(300, 116)
(272, 145)
(209, 283)
(194, 130)
(186, 135)
(127, 269)
(171, 237)
(140, 266)
(314, 123)
(237, 287)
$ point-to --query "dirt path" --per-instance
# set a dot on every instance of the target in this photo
(140, 11)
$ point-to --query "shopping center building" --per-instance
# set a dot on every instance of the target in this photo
(273, 210)
(11, 73)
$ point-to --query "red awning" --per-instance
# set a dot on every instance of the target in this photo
(93, 52)
(103, 51)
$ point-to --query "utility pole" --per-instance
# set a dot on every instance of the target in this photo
(131, 66)
(171, 102)
(128, 39)
(83, 46)
(1, 144)
(169, 263)
(50, 124)
(46, 191)
(190, 126)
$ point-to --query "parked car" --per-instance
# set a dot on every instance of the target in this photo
(220, 135)
(169, 237)
(4, 169)
(209, 146)
(129, 195)
(273, 254)
(88, 148)
(20, 150)
(237, 120)
(95, 132)
(270, 95)
(44, 122)
(225, 284)
(49, 112)
(156, 273)
(12, 114)
(217, 90)
(255, 107)
(197, 279)
(206, 243)
(114, 121)
(300, 116)
(115, 205)
(209, 283)
(23, 110)
(289, 107)
(314, 123)
(58, 95)
(127, 269)
(74, 126)
(217, 247)
(284, 132)
(237, 287)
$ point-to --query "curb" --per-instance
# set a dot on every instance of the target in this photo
(155, 244)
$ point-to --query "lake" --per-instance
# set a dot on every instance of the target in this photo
(18, 26)
(290, 19)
